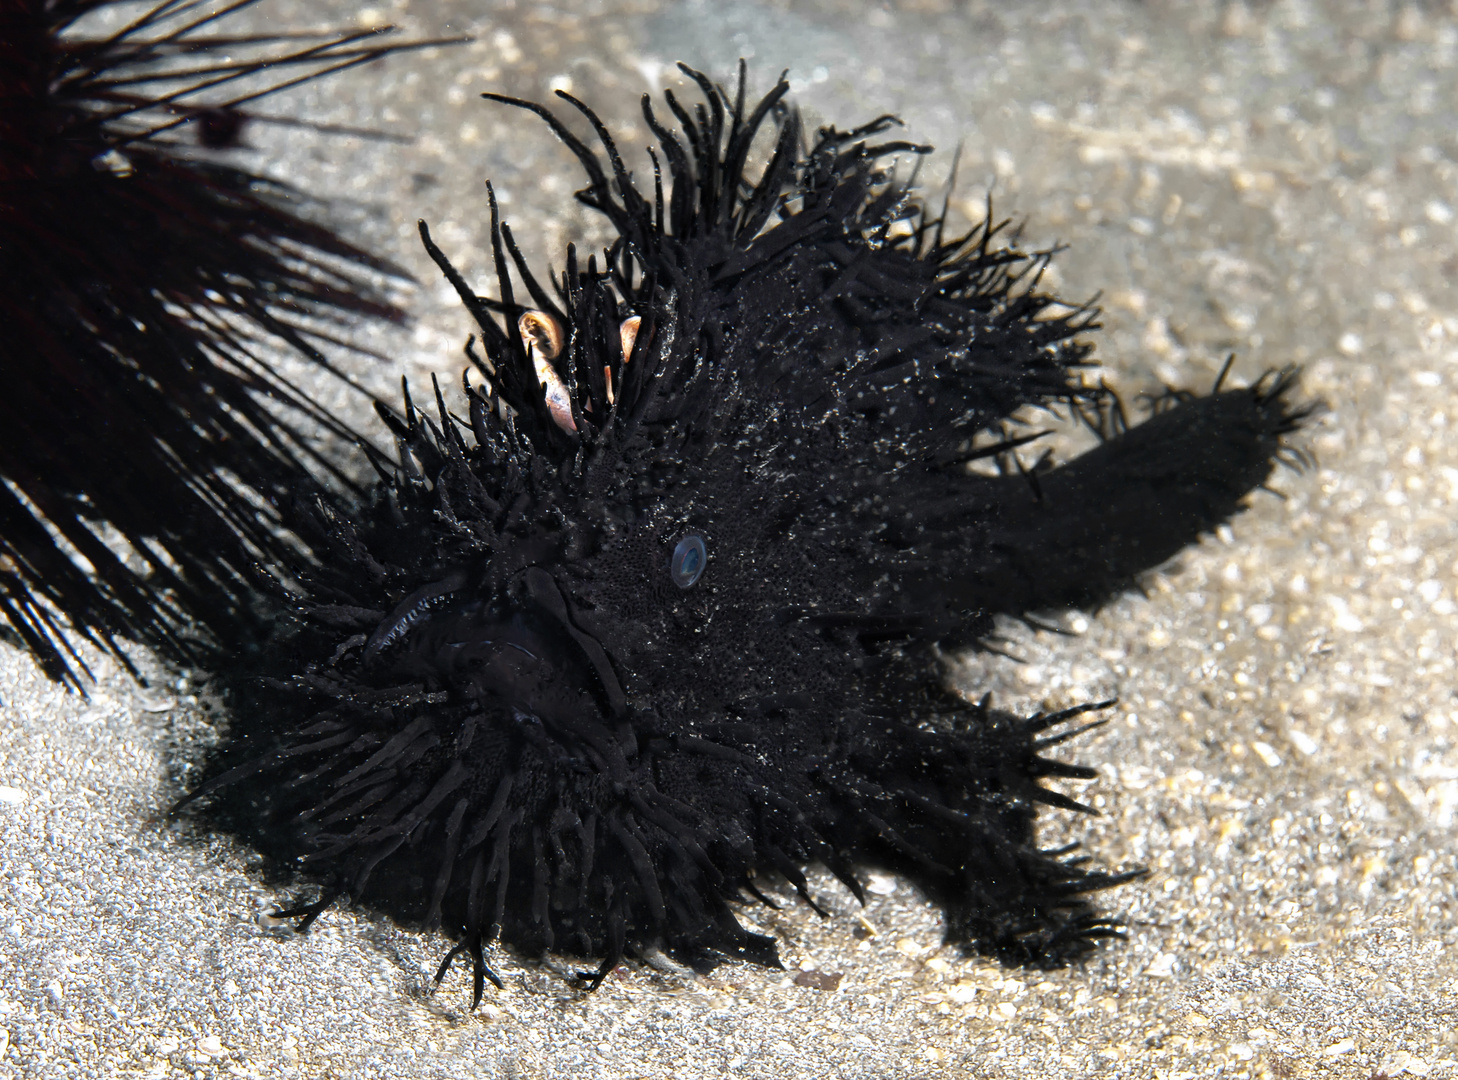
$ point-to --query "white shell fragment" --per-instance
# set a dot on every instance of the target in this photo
(628, 335)
(540, 330)
(544, 339)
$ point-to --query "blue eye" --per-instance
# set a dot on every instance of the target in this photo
(688, 561)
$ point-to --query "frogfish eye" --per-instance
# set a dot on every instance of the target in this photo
(688, 561)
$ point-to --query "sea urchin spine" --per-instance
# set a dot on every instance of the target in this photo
(139, 276)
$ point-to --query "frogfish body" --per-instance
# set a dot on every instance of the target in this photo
(655, 609)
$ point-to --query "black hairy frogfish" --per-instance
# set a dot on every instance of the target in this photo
(652, 608)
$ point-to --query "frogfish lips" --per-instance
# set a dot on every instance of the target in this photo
(519, 661)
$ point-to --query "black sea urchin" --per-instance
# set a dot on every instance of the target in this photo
(138, 275)
(660, 613)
